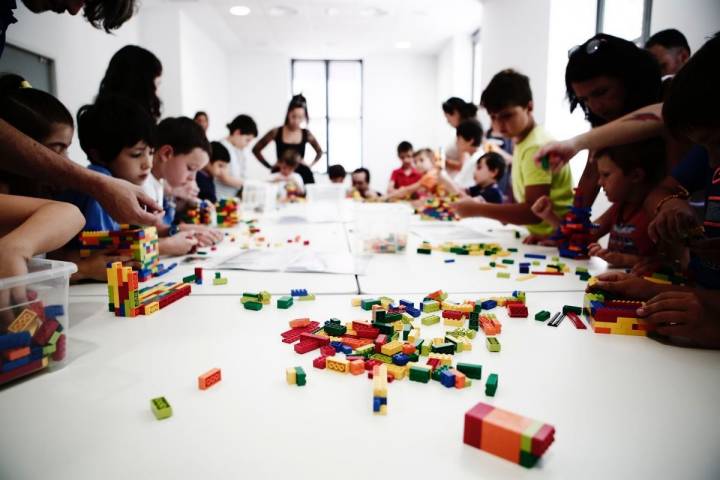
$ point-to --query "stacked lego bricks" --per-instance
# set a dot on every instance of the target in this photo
(508, 435)
(575, 231)
(32, 340)
(138, 243)
(226, 212)
(126, 299)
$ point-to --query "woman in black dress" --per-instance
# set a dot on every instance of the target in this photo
(291, 136)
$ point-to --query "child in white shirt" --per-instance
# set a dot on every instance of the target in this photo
(291, 183)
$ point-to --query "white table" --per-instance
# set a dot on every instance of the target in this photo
(623, 407)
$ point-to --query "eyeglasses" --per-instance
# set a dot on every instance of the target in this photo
(590, 47)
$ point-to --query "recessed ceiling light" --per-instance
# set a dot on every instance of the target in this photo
(332, 12)
(240, 10)
(403, 44)
(279, 11)
(372, 12)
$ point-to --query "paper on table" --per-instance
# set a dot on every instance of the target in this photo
(445, 232)
(292, 260)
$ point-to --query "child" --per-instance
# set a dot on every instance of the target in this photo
(242, 130)
(426, 165)
(508, 100)
(488, 169)
(218, 166)
(337, 174)
(182, 150)
(361, 185)
(469, 135)
(628, 174)
(40, 116)
(406, 174)
(291, 183)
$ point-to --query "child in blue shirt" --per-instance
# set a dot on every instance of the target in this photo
(219, 164)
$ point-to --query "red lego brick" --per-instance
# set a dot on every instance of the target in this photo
(209, 378)
(473, 423)
(320, 362)
(518, 311)
(542, 440)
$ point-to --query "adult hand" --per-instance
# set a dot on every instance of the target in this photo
(625, 285)
(682, 314)
(673, 221)
(125, 202)
(559, 153)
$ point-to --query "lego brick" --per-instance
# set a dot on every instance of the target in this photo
(542, 315)
(300, 377)
(209, 378)
(493, 345)
(25, 322)
(419, 373)
(253, 306)
(337, 364)
(491, 385)
(15, 340)
(430, 320)
(518, 311)
(15, 354)
(471, 370)
(161, 408)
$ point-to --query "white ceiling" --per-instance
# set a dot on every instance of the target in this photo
(426, 24)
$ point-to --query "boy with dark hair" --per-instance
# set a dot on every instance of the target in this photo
(202, 119)
(361, 184)
(406, 174)
(508, 101)
(469, 136)
(670, 48)
(290, 181)
(337, 173)
(219, 163)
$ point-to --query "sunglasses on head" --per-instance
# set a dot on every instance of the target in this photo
(590, 47)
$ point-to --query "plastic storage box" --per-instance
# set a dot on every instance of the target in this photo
(34, 319)
(381, 228)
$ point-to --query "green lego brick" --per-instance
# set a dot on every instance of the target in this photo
(253, 305)
(581, 270)
(381, 357)
(256, 296)
(493, 344)
(447, 347)
(430, 320)
(542, 315)
(474, 324)
(508, 261)
(491, 385)
(285, 302)
(335, 329)
(300, 376)
(425, 349)
(513, 250)
(527, 460)
(536, 263)
(160, 408)
(528, 434)
(189, 279)
(220, 281)
(367, 303)
(471, 370)
(420, 374)
(503, 274)
(54, 338)
(365, 350)
(393, 317)
(49, 350)
(573, 309)
(429, 306)
(424, 251)
(492, 264)
(384, 328)
(379, 315)
(406, 331)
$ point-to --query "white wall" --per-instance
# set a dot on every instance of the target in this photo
(454, 79)
(697, 19)
(81, 54)
(515, 35)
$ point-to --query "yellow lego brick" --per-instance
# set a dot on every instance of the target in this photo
(522, 278)
(392, 348)
(414, 335)
(291, 375)
(380, 380)
(445, 358)
(451, 322)
(151, 308)
(397, 371)
(355, 302)
(27, 321)
(337, 364)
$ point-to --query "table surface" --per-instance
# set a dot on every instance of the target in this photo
(623, 407)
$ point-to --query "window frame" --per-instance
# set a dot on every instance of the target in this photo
(646, 19)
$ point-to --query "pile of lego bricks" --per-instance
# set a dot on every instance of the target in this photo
(138, 243)
(609, 314)
(200, 215)
(32, 339)
(226, 212)
(438, 208)
(575, 232)
(126, 299)
(508, 435)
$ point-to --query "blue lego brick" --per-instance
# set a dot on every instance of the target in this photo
(378, 402)
(14, 340)
(447, 378)
(336, 345)
(54, 311)
(524, 269)
(7, 366)
(413, 312)
(535, 255)
(346, 349)
(449, 260)
(299, 292)
(407, 304)
(488, 304)
(36, 353)
(400, 359)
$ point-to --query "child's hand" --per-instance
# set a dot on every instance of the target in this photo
(648, 266)
(178, 244)
(559, 154)
(613, 258)
(465, 207)
(534, 239)
(543, 208)
(625, 285)
(207, 235)
(94, 266)
(672, 223)
(683, 314)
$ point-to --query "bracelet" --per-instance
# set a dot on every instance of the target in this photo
(682, 194)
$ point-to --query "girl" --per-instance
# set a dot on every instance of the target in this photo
(456, 111)
(291, 136)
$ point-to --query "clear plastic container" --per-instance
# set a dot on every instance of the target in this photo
(34, 319)
(259, 197)
(332, 193)
(381, 228)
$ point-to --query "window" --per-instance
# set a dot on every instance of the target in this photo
(333, 89)
(476, 67)
(628, 19)
(36, 69)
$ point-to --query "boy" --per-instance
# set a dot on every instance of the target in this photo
(292, 184)
(406, 174)
(337, 174)
(218, 165)
(670, 48)
(361, 185)
(508, 101)
(469, 135)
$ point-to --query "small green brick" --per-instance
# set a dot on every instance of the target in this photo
(536, 263)
(54, 338)
(570, 308)
(542, 315)
(430, 320)
(253, 306)
(381, 357)
(49, 350)
(367, 303)
(419, 373)
(471, 370)
(189, 279)
(220, 281)
(307, 298)
(527, 460)
(425, 350)
(447, 347)
(160, 408)
(429, 306)
(503, 275)
(285, 302)
(491, 385)
(424, 251)
(300, 377)
(508, 261)
(493, 344)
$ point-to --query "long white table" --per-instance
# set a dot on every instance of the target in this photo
(623, 407)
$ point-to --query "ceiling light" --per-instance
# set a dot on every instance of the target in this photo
(281, 11)
(240, 10)
(332, 12)
(372, 12)
(404, 44)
